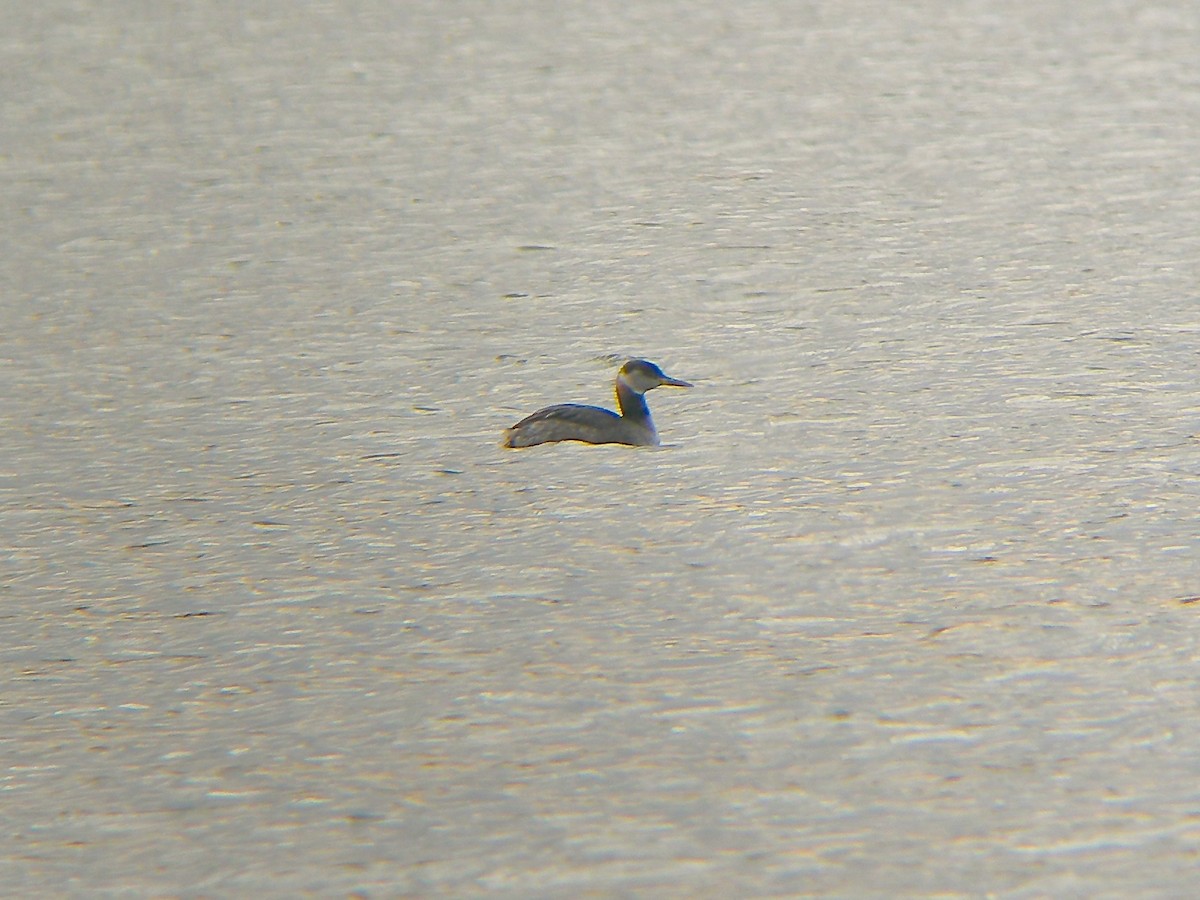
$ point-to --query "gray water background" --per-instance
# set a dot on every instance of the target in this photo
(904, 604)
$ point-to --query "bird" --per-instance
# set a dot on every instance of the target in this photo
(594, 424)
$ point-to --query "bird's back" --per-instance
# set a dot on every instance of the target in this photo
(576, 422)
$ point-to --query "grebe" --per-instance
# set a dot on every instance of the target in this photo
(594, 425)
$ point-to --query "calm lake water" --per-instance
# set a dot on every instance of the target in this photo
(905, 605)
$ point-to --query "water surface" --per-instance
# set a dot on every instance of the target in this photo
(905, 604)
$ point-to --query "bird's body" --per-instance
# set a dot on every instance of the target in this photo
(593, 424)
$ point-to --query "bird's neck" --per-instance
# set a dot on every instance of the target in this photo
(633, 405)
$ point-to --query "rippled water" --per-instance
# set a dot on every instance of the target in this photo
(904, 605)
